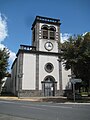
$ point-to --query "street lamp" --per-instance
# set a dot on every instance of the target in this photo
(20, 75)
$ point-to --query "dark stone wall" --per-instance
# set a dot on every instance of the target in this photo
(34, 93)
(30, 93)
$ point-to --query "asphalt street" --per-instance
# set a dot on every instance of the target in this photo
(22, 110)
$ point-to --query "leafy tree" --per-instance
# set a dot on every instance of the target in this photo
(4, 55)
(76, 56)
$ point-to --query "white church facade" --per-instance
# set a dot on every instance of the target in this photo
(37, 70)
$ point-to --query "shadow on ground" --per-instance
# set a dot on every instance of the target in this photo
(8, 117)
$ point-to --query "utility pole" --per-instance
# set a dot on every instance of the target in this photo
(73, 91)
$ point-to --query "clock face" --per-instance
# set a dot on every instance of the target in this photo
(48, 46)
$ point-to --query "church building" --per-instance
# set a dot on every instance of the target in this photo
(37, 70)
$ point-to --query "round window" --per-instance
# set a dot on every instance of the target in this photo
(49, 67)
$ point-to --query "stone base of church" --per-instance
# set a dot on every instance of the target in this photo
(58, 93)
(34, 93)
(30, 93)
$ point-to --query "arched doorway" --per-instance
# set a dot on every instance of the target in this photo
(49, 86)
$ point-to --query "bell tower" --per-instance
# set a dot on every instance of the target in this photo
(46, 34)
(45, 37)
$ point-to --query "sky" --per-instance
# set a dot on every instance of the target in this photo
(17, 16)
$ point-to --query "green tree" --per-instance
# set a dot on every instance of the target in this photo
(76, 56)
(4, 56)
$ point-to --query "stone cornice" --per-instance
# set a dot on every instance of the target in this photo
(38, 52)
(41, 19)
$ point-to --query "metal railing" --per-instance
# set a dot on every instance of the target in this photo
(26, 47)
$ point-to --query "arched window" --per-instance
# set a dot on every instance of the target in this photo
(45, 31)
(48, 32)
(52, 32)
(49, 78)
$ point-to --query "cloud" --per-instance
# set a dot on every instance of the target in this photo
(84, 33)
(64, 36)
(4, 35)
(12, 56)
(3, 28)
(1, 46)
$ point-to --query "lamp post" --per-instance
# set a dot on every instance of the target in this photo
(73, 91)
(73, 84)
(19, 81)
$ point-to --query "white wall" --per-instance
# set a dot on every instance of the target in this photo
(17, 78)
(6, 84)
(29, 70)
(55, 73)
(13, 77)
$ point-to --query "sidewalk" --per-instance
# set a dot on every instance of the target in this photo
(8, 98)
(19, 99)
(59, 99)
(36, 99)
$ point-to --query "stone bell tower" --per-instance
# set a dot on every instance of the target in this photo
(45, 37)
(46, 30)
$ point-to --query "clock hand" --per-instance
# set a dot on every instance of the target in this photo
(49, 45)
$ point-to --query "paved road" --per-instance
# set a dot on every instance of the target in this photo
(22, 110)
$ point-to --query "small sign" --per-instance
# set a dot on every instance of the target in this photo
(75, 80)
(72, 76)
(51, 88)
